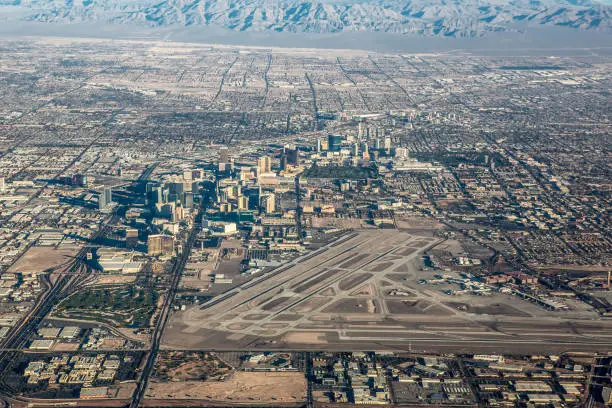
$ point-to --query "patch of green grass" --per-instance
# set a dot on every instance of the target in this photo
(127, 307)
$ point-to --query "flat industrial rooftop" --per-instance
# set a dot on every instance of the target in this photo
(363, 291)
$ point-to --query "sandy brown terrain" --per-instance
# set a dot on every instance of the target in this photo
(38, 259)
(114, 280)
(242, 387)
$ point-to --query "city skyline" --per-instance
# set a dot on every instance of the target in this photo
(188, 224)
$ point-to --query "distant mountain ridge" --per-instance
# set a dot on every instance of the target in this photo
(452, 18)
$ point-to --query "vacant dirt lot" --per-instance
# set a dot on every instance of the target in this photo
(239, 388)
(491, 309)
(415, 307)
(352, 306)
(38, 259)
(305, 338)
(344, 223)
(417, 223)
(115, 280)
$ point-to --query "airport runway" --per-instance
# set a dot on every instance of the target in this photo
(362, 292)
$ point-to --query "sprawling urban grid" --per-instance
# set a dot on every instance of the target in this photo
(204, 225)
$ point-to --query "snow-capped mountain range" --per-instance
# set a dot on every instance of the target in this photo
(453, 18)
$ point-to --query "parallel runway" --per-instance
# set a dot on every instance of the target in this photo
(340, 298)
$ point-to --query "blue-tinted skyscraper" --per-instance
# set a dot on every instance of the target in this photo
(334, 143)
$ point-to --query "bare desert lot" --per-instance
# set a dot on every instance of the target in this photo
(40, 258)
(241, 387)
